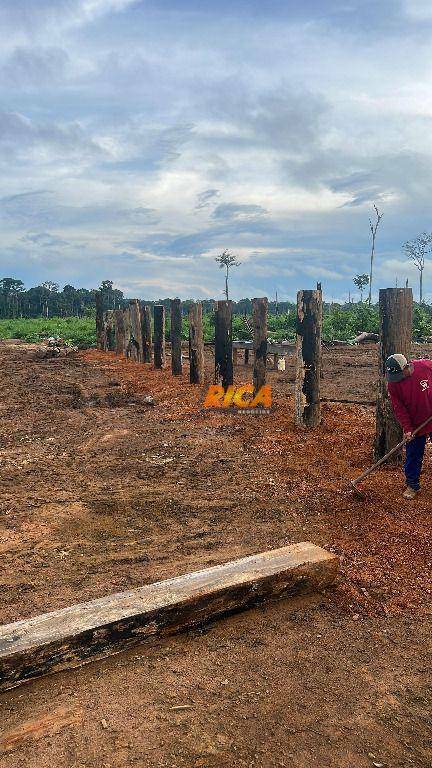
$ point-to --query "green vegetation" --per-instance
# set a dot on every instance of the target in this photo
(341, 322)
(79, 331)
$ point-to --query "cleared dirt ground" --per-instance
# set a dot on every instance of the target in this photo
(103, 492)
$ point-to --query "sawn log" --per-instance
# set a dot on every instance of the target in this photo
(72, 636)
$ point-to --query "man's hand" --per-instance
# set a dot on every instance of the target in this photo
(408, 436)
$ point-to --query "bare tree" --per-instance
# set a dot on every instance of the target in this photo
(373, 225)
(226, 260)
(417, 250)
(361, 281)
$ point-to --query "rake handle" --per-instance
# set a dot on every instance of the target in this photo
(390, 453)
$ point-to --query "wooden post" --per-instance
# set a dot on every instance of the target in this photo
(308, 367)
(235, 356)
(119, 325)
(275, 361)
(128, 332)
(196, 345)
(223, 343)
(136, 333)
(246, 357)
(159, 335)
(99, 320)
(259, 317)
(175, 337)
(109, 335)
(396, 310)
(146, 333)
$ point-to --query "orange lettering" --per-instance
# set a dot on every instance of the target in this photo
(263, 397)
(238, 399)
(215, 396)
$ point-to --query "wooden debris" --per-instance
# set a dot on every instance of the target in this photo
(72, 636)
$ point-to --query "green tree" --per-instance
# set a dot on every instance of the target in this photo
(361, 281)
(226, 260)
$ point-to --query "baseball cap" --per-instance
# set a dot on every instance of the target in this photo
(394, 366)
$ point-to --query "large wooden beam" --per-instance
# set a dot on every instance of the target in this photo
(396, 320)
(309, 357)
(93, 630)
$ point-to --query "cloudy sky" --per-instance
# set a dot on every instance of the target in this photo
(140, 138)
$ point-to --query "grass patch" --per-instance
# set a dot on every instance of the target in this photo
(79, 331)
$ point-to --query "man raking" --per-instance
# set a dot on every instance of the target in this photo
(410, 390)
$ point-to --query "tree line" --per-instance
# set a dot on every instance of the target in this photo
(47, 300)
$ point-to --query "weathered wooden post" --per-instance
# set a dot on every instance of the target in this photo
(159, 336)
(99, 320)
(136, 352)
(196, 345)
(223, 343)
(396, 317)
(119, 331)
(120, 337)
(259, 317)
(109, 335)
(128, 332)
(146, 333)
(246, 357)
(175, 336)
(309, 353)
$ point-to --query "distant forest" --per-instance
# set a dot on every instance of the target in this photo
(47, 300)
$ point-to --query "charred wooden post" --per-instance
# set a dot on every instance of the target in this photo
(175, 337)
(136, 333)
(259, 317)
(309, 354)
(396, 317)
(84, 632)
(99, 320)
(109, 331)
(159, 336)
(120, 337)
(223, 344)
(196, 345)
(146, 333)
(246, 357)
(275, 361)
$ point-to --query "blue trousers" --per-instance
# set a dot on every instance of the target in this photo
(413, 460)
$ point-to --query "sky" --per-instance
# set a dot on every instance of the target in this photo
(139, 139)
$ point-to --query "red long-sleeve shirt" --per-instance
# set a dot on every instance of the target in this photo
(412, 397)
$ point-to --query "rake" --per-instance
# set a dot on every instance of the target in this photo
(354, 483)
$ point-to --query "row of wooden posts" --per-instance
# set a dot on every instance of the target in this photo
(129, 332)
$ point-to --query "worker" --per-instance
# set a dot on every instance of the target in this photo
(410, 389)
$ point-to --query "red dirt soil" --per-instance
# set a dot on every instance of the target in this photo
(103, 492)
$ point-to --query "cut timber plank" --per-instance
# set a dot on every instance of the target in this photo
(75, 635)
